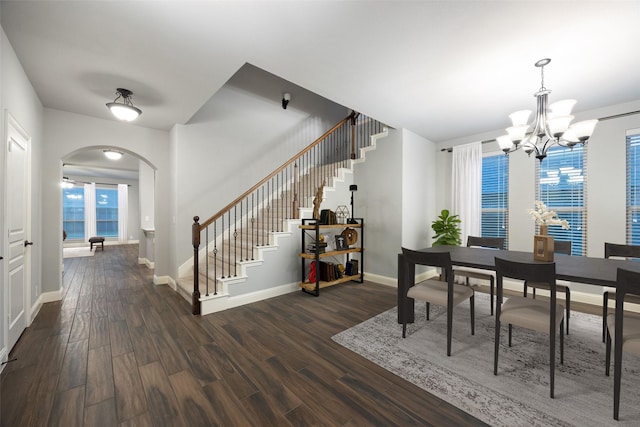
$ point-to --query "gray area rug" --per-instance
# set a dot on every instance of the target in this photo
(519, 394)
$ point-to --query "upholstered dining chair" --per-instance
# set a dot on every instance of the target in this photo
(468, 273)
(559, 247)
(623, 329)
(534, 314)
(616, 250)
(436, 291)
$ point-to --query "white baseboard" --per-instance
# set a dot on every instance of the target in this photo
(52, 296)
(162, 280)
(150, 264)
(225, 302)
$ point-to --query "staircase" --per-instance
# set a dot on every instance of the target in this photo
(235, 240)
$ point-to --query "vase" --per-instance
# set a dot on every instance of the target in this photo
(543, 245)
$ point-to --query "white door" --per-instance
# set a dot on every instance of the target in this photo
(17, 203)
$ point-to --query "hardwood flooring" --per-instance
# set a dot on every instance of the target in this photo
(119, 351)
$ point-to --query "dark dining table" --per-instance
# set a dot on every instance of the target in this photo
(582, 269)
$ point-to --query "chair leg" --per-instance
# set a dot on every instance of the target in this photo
(472, 307)
(568, 309)
(510, 327)
(607, 354)
(404, 330)
(427, 311)
(562, 342)
(524, 293)
(449, 329)
(552, 360)
(533, 291)
(605, 304)
(491, 291)
(617, 375)
(496, 347)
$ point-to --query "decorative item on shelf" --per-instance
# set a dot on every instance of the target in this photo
(317, 200)
(543, 243)
(447, 229)
(341, 243)
(328, 217)
(352, 188)
(551, 125)
(342, 213)
(350, 235)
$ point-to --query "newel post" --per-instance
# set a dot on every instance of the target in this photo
(195, 239)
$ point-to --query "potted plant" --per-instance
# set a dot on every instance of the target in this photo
(447, 229)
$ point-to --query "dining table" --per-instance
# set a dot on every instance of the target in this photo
(572, 268)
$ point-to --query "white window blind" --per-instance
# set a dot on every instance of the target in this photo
(495, 197)
(633, 188)
(561, 180)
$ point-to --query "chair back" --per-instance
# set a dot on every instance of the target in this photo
(486, 242)
(432, 259)
(562, 247)
(618, 250)
(627, 282)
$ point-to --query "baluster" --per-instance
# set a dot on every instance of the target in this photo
(215, 260)
(253, 221)
(206, 265)
(235, 242)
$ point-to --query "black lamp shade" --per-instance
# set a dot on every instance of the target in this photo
(353, 187)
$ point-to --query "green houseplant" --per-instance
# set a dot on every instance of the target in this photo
(447, 229)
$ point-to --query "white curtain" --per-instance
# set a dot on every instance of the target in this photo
(90, 211)
(466, 182)
(123, 209)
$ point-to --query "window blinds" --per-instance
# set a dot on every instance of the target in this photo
(495, 197)
(633, 188)
(561, 180)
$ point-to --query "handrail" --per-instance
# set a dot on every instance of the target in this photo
(351, 117)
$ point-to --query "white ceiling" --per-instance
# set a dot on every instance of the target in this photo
(442, 69)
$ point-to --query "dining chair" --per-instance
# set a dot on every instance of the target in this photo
(559, 247)
(625, 325)
(534, 314)
(617, 251)
(436, 291)
(469, 273)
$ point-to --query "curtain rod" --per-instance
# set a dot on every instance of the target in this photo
(601, 119)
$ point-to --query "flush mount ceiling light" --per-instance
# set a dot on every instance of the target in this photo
(112, 154)
(551, 126)
(124, 110)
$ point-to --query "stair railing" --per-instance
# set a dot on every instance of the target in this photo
(246, 222)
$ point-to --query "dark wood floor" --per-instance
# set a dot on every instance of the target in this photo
(118, 350)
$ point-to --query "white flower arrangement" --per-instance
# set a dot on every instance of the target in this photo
(543, 216)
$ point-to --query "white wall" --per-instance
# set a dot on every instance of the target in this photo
(419, 205)
(18, 98)
(66, 133)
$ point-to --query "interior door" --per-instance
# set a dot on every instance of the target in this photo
(17, 203)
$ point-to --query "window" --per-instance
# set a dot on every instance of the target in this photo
(495, 196)
(561, 184)
(107, 212)
(75, 218)
(633, 188)
(73, 212)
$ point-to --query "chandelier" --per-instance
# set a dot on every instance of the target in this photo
(551, 126)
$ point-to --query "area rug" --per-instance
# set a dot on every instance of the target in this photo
(519, 394)
(76, 252)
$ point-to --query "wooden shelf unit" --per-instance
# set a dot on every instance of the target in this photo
(310, 232)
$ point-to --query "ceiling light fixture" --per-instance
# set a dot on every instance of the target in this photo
(124, 110)
(112, 154)
(551, 126)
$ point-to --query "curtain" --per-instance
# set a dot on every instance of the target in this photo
(466, 182)
(123, 209)
(90, 210)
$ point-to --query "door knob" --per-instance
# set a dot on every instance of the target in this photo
(27, 243)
